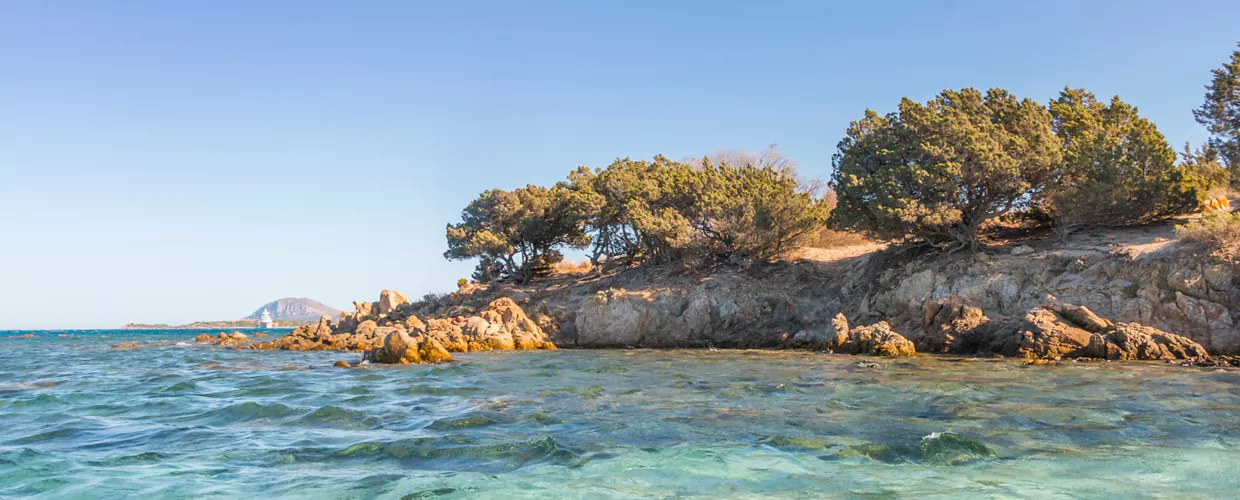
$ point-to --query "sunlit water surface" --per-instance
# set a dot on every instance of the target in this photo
(81, 419)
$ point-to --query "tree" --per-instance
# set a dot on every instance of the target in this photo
(935, 172)
(518, 234)
(1117, 167)
(1221, 113)
(756, 212)
(769, 158)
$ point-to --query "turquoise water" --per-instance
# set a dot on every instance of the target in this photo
(175, 420)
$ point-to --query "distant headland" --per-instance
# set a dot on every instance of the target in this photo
(289, 312)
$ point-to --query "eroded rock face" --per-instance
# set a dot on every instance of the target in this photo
(699, 317)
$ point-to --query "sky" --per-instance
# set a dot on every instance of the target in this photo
(167, 162)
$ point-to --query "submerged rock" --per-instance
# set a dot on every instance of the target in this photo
(935, 449)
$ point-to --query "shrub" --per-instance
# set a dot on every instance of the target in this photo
(825, 237)
(1217, 232)
(1117, 168)
(664, 211)
(935, 172)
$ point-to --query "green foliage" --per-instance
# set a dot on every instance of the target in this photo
(462, 283)
(1218, 232)
(633, 211)
(1221, 113)
(517, 234)
(1117, 168)
(935, 172)
(663, 210)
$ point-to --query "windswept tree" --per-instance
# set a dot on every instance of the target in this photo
(1221, 113)
(1117, 168)
(935, 172)
(518, 234)
(757, 212)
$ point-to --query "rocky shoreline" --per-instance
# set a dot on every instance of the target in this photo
(1131, 296)
(387, 331)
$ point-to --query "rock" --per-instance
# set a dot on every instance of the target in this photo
(1044, 334)
(324, 327)
(364, 309)
(342, 364)
(238, 336)
(260, 335)
(1133, 341)
(1022, 250)
(202, 337)
(1081, 316)
(413, 324)
(366, 328)
(400, 347)
(877, 339)
(1077, 332)
(821, 339)
(389, 300)
(128, 345)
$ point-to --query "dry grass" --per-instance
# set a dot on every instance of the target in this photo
(1218, 232)
(829, 238)
(570, 267)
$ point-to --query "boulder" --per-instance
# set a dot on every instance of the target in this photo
(324, 327)
(1022, 250)
(366, 328)
(820, 339)
(399, 347)
(389, 300)
(1066, 331)
(877, 339)
(413, 324)
(1133, 341)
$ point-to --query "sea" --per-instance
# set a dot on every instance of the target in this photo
(170, 418)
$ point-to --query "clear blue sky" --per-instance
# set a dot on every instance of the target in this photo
(180, 161)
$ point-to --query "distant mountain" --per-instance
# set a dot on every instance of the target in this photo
(295, 309)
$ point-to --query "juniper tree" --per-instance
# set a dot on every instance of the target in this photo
(935, 172)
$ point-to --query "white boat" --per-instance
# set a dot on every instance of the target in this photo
(266, 321)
